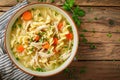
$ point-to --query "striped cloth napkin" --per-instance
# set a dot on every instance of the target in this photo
(8, 71)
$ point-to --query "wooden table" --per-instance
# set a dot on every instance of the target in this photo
(103, 63)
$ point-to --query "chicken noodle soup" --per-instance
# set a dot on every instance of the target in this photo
(41, 39)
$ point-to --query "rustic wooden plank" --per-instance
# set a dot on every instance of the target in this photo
(1, 13)
(4, 9)
(102, 52)
(89, 70)
(78, 2)
(97, 37)
(98, 2)
(101, 14)
(101, 27)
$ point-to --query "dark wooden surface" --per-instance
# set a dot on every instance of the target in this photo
(102, 63)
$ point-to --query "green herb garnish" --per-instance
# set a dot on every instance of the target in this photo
(109, 35)
(84, 30)
(68, 4)
(111, 22)
(32, 49)
(96, 18)
(17, 0)
(92, 46)
(82, 70)
(52, 1)
(77, 20)
(39, 14)
(82, 35)
(76, 57)
(48, 52)
(40, 0)
(76, 11)
(19, 25)
(33, 9)
(17, 59)
(39, 69)
(66, 70)
(70, 29)
(84, 40)
(65, 46)
(79, 12)
(14, 26)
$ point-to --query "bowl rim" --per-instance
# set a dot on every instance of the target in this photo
(9, 52)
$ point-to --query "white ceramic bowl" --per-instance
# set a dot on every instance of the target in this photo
(27, 70)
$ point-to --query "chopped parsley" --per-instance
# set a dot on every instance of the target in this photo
(70, 29)
(84, 30)
(82, 70)
(56, 13)
(79, 12)
(32, 49)
(17, 59)
(84, 40)
(109, 35)
(92, 46)
(111, 22)
(96, 18)
(33, 9)
(17, 0)
(82, 35)
(40, 0)
(19, 25)
(67, 70)
(52, 1)
(39, 69)
(65, 46)
(48, 52)
(39, 14)
(41, 39)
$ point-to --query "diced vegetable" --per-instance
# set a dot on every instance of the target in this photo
(37, 38)
(27, 15)
(55, 41)
(20, 48)
(60, 25)
(46, 45)
(69, 36)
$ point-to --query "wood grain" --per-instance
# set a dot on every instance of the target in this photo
(78, 2)
(103, 51)
(89, 70)
(102, 63)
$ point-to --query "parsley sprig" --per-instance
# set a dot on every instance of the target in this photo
(76, 11)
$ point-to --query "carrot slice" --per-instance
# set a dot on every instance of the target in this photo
(60, 25)
(37, 38)
(55, 41)
(46, 45)
(20, 48)
(27, 15)
(69, 36)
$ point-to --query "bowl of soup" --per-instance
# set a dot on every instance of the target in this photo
(41, 39)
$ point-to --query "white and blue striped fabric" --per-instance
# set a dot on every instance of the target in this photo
(8, 71)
